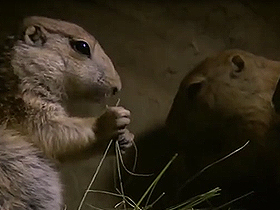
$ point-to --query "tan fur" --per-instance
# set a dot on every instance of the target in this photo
(65, 73)
(246, 95)
(40, 71)
(224, 102)
(220, 105)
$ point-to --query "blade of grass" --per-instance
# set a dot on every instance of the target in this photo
(117, 152)
(192, 202)
(212, 164)
(234, 200)
(152, 204)
(95, 175)
(94, 207)
(127, 198)
(150, 195)
(125, 168)
(156, 180)
(136, 156)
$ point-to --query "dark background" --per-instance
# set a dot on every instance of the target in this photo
(153, 44)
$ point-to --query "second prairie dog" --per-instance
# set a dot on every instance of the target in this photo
(233, 84)
(220, 105)
(50, 62)
(226, 100)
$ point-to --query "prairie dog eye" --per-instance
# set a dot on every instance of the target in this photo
(81, 47)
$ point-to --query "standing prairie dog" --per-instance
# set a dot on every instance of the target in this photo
(50, 62)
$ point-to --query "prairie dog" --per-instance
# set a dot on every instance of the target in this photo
(49, 62)
(226, 100)
(234, 85)
(220, 105)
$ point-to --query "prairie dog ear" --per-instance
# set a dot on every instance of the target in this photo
(238, 65)
(34, 35)
(194, 88)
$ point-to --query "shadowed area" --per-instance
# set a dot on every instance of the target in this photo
(153, 44)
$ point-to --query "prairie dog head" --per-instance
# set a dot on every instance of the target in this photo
(55, 58)
(233, 88)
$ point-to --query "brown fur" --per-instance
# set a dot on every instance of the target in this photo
(224, 102)
(229, 93)
(40, 70)
(220, 105)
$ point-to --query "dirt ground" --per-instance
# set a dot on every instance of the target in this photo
(153, 44)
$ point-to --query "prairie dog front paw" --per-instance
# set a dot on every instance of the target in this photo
(112, 123)
(125, 140)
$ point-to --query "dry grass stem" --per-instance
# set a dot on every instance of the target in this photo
(234, 200)
(95, 175)
(214, 163)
